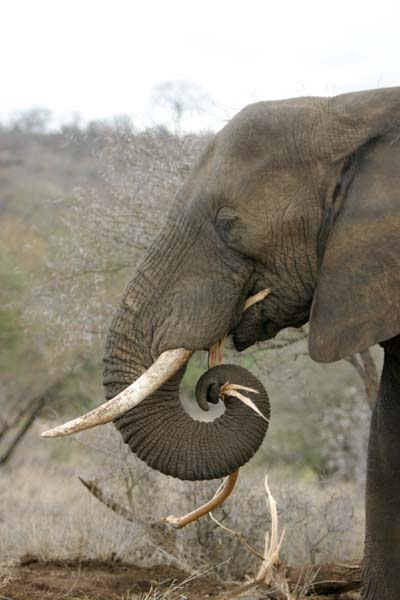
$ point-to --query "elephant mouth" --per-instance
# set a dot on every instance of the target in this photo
(243, 339)
(255, 325)
(267, 319)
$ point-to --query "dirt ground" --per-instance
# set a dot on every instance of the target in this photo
(32, 579)
(95, 580)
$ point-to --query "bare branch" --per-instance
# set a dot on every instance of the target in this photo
(223, 492)
(108, 502)
(26, 417)
(239, 536)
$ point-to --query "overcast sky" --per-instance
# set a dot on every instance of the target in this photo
(104, 58)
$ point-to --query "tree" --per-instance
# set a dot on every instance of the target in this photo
(178, 99)
(34, 120)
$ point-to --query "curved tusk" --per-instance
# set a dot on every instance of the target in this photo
(166, 365)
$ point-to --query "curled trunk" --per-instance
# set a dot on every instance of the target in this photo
(159, 430)
(162, 434)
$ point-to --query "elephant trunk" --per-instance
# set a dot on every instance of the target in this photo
(159, 430)
(162, 434)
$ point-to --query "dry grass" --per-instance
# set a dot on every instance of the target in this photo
(7, 574)
(45, 511)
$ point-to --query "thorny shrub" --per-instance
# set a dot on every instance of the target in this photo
(107, 226)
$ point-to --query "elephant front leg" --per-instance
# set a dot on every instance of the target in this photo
(381, 567)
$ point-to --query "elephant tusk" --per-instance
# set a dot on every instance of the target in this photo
(166, 365)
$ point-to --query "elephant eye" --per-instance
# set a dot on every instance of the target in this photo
(228, 226)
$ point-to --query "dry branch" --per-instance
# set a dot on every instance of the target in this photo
(223, 492)
(270, 566)
(25, 418)
(108, 502)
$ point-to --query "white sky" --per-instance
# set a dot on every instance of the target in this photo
(103, 58)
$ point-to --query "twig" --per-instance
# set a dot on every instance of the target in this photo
(232, 389)
(223, 492)
(108, 502)
(239, 536)
(272, 545)
(28, 415)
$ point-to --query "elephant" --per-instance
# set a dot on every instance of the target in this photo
(300, 196)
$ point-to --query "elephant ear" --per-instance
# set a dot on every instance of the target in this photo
(357, 299)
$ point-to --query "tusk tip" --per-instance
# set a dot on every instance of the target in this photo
(167, 364)
(51, 433)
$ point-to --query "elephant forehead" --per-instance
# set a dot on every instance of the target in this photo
(263, 148)
(271, 130)
(248, 188)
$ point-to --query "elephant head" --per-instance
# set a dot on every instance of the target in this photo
(300, 196)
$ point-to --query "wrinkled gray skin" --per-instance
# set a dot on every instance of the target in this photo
(301, 196)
